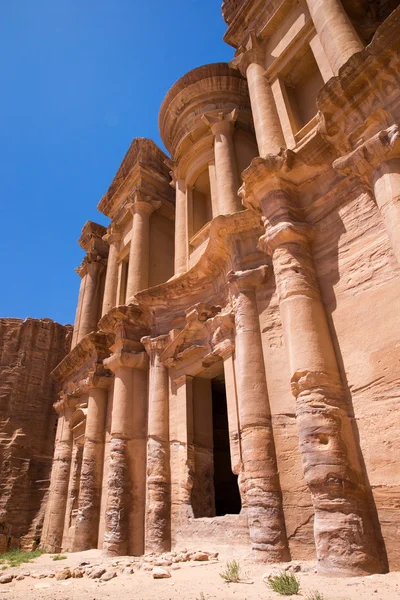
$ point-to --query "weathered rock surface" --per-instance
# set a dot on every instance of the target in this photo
(29, 351)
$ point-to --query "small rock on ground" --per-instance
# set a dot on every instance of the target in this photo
(160, 573)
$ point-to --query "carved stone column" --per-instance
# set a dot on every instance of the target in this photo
(124, 522)
(53, 526)
(87, 522)
(335, 30)
(267, 125)
(111, 284)
(90, 292)
(377, 163)
(228, 181)
(181, 224)
(344, 536)
(263, 493)
(158, 496)
(138, 271)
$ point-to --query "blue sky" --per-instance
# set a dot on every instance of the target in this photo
(79, 80)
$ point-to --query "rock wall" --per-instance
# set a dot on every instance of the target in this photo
(29, 351)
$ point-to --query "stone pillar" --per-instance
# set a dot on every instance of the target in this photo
(377, 164)
(158, 495)
(228, 181)
(139, 254)
(267, 125)
(213, 189)
(335, 30)
(53, 526)
(87, 522)
(344, 537)
(181, 227)
(263, 493)
(89, 298)
(119, 515)
(111, 284)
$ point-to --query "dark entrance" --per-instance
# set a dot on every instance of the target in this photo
(226, 489)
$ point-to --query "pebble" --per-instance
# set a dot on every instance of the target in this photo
(108, 575)
(200, 556)
(96, 573)
(160, 573)
(64, 574)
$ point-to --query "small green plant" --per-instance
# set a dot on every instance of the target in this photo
(315, 595)
(285, 584)
(59, 557)
(202, 596)
(14, 558)
(232, 572)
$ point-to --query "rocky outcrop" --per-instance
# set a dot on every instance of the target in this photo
(29, 351)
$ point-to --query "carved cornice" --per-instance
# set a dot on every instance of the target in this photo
(91, 239)
(265, 175)
(125, 323)
(381, 147)
(65, 401)
(207, 337)
(83, 368)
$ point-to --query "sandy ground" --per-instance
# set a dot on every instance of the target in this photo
(188, 582)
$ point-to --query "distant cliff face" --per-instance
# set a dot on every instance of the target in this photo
(29, 351)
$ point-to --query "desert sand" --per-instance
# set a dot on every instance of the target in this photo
(190, 580)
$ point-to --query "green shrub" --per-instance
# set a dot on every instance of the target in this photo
(232, 572)
(14, 558)
(315, 595)
(285, 584)
(59, 557)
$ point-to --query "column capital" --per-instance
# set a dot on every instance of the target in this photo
(65, 401)
(285, 232)
(360, 163)
(142, 204)
(240, 281)
(249, 53)
(221, 122)
(265, 175)
(123, 359)
(157, 345)
(91, 264)
(113, 236)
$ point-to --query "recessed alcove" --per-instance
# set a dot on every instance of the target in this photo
(215, 489)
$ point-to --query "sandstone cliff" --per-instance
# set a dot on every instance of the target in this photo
(29, 351)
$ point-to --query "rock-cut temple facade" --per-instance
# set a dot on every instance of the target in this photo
(234, 371)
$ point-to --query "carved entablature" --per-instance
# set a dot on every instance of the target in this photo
(143, 170)
(83, 367)
(364, 98)
(91, 240)
(125, 324)
(65, 401)
(207, 338)
(245, 16)
(381, 147)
